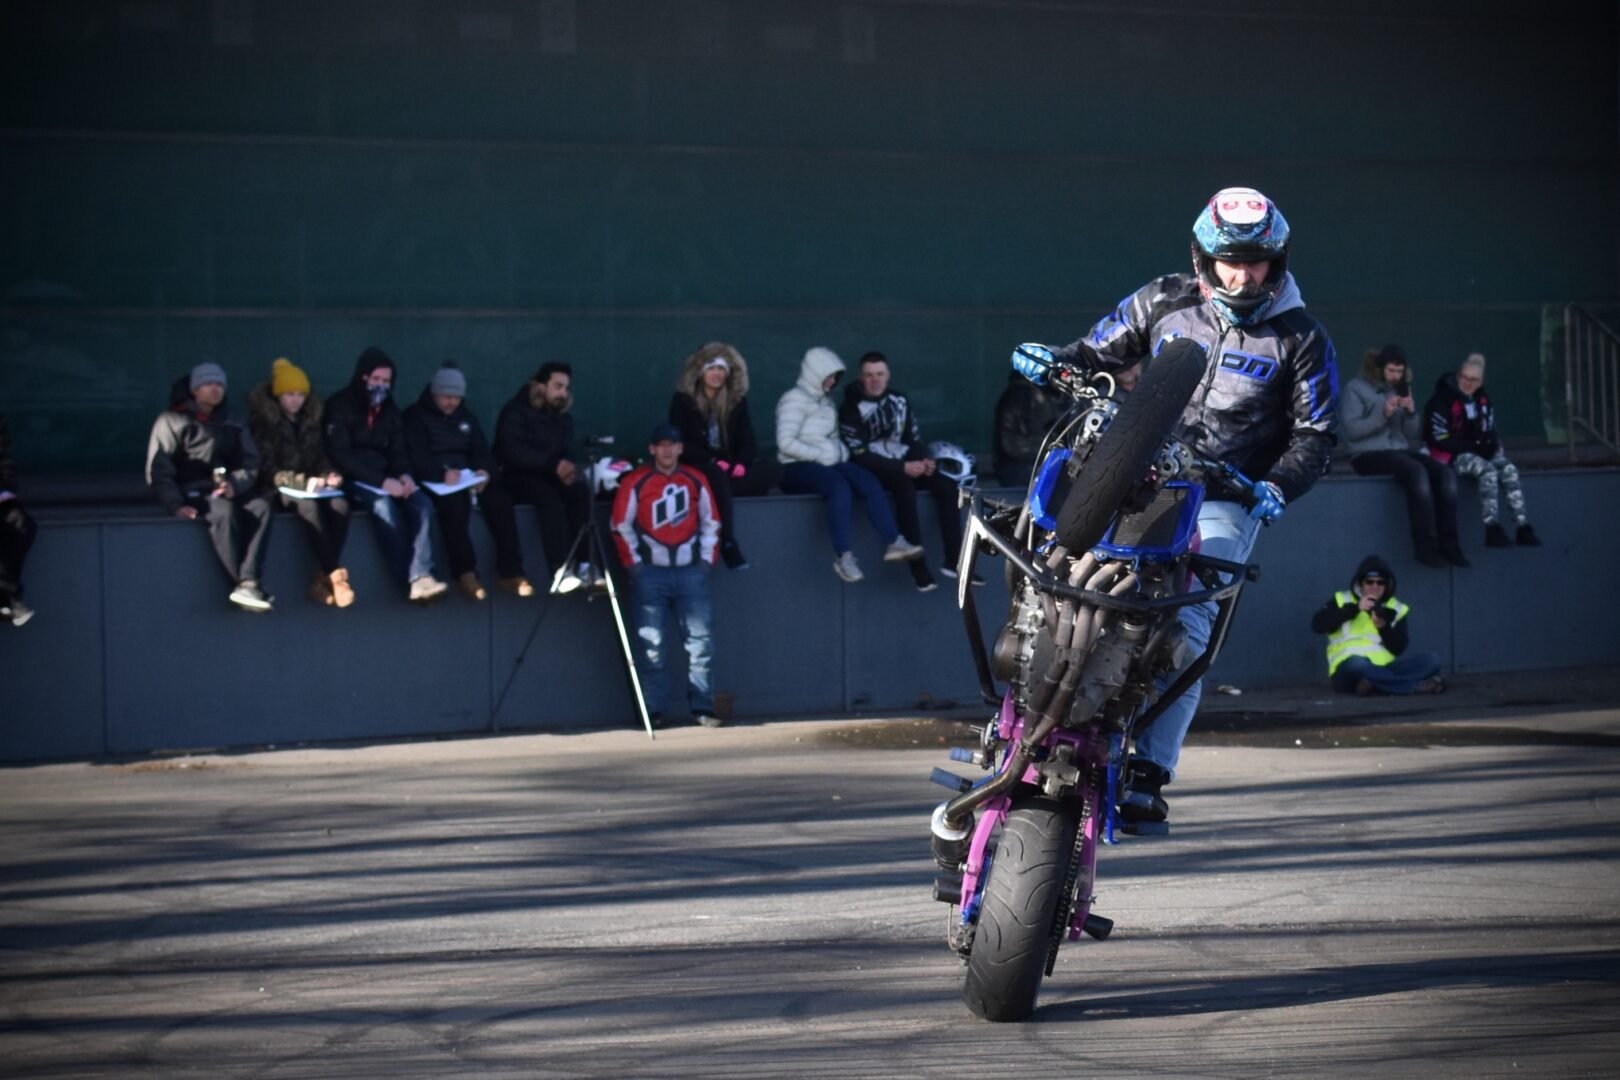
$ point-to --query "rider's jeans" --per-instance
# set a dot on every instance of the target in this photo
(1227, 532)
(681, 591)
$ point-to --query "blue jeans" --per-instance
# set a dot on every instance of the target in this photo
(1399, 676)
(1226, 532)
(683, 590)
(404, 529)
(840, 485)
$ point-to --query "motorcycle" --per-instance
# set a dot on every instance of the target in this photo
(1101, 555)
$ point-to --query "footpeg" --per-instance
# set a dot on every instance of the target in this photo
(948, 890)
(1096, 927)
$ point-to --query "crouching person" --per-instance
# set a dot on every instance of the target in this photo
(667, 533)
(201, 463)
(1367, 630)
(285, 416)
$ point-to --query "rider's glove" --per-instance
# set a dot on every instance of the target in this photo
(1268, 502)
(1034, 362)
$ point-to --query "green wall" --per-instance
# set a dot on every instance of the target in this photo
(613, 183)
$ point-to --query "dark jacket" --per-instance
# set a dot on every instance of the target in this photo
(1024, 414)
(8, 464)
(186, 447)
(884, 426)
(1268, 404)
(365, 445)
(437, 443)
(731, 441)
(290, 452)
(530, 438)
(1454, 423)
(1332, 615)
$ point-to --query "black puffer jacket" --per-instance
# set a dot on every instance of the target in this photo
(1024, 414)
(437, 443)
(8, 464)
(732, 439)
(365, 445)
(1268, 403)
(185, 448)
(530, 438)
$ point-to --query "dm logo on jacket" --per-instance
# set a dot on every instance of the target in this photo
(673, 506)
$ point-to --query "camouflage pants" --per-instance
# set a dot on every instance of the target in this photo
(1496, 475)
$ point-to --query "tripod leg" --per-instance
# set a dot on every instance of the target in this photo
(600, 556)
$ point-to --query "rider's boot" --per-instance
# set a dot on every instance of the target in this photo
(1140, 802)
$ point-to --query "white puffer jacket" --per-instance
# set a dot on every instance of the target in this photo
(806, 419)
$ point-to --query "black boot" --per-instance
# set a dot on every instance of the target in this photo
(1427, 552)
(1453, 553)
(732, 555)
(1496, 536)
(1526, 536)
(1140, 801)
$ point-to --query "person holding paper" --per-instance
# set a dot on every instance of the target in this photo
(16, 536)
(365, 438)
(285, 417)
(448, 450)
(202, 463)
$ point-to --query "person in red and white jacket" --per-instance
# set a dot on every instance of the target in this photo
(667, 532)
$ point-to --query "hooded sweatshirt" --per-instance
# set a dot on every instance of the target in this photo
(1342, 618)
(365, 442)
(806, 419)
(1454, 423)
(1362, 422)
(187, 445)
(728, 435)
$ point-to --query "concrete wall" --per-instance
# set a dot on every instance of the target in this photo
(135, 647)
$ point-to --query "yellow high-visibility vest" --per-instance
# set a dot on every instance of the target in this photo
(1359, 636)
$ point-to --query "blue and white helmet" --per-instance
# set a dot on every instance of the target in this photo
(1240, 225)
(954, 462)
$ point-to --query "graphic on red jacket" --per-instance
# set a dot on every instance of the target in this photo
(665, 520)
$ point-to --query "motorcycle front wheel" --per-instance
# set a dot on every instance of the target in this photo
(1022, 897)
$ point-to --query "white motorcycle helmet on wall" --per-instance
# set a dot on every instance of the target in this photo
(605, 474)
(954, 462)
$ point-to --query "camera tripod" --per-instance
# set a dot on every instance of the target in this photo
(589, 550)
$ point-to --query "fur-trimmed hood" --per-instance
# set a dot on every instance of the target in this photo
(1372, 368)
(692, 371)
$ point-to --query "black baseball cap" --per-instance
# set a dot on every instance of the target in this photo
(664, 433)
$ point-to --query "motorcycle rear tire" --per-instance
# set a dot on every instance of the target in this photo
(1122, 456)
(1022, 895)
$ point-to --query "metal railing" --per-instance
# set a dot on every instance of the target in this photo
(1591, 378)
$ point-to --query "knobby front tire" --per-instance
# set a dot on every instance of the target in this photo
(1022, 896)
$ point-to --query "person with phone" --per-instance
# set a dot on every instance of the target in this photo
(1379, 424)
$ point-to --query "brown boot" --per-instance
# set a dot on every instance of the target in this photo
(342, 592)
(320, 590)
(471, 587)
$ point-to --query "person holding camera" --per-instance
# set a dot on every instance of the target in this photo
(1368, 630)
(1380, 427)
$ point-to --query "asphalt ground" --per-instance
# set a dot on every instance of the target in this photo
(1353, 887)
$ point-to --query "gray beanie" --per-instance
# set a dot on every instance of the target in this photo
(449, 381)
(207, 372)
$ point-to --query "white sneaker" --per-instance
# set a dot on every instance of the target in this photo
(901, 550)
(425, 588)
(566, 580)
(847, 568)
(19, 612)
(247, 595)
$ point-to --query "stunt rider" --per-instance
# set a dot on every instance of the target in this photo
(1267, 406)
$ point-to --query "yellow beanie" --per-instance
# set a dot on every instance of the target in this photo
(287, 378)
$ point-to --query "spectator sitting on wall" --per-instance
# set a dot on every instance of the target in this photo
(666, 533)
(710, 409)
(202, 463)
(879, 428)
(365, 438)
(285, 417)
(1379, 425)
(1024, 414)
(445, 443)
(533, 440)
(815, 461)
(17, 531)
(1367, 633)
(1459, 428)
